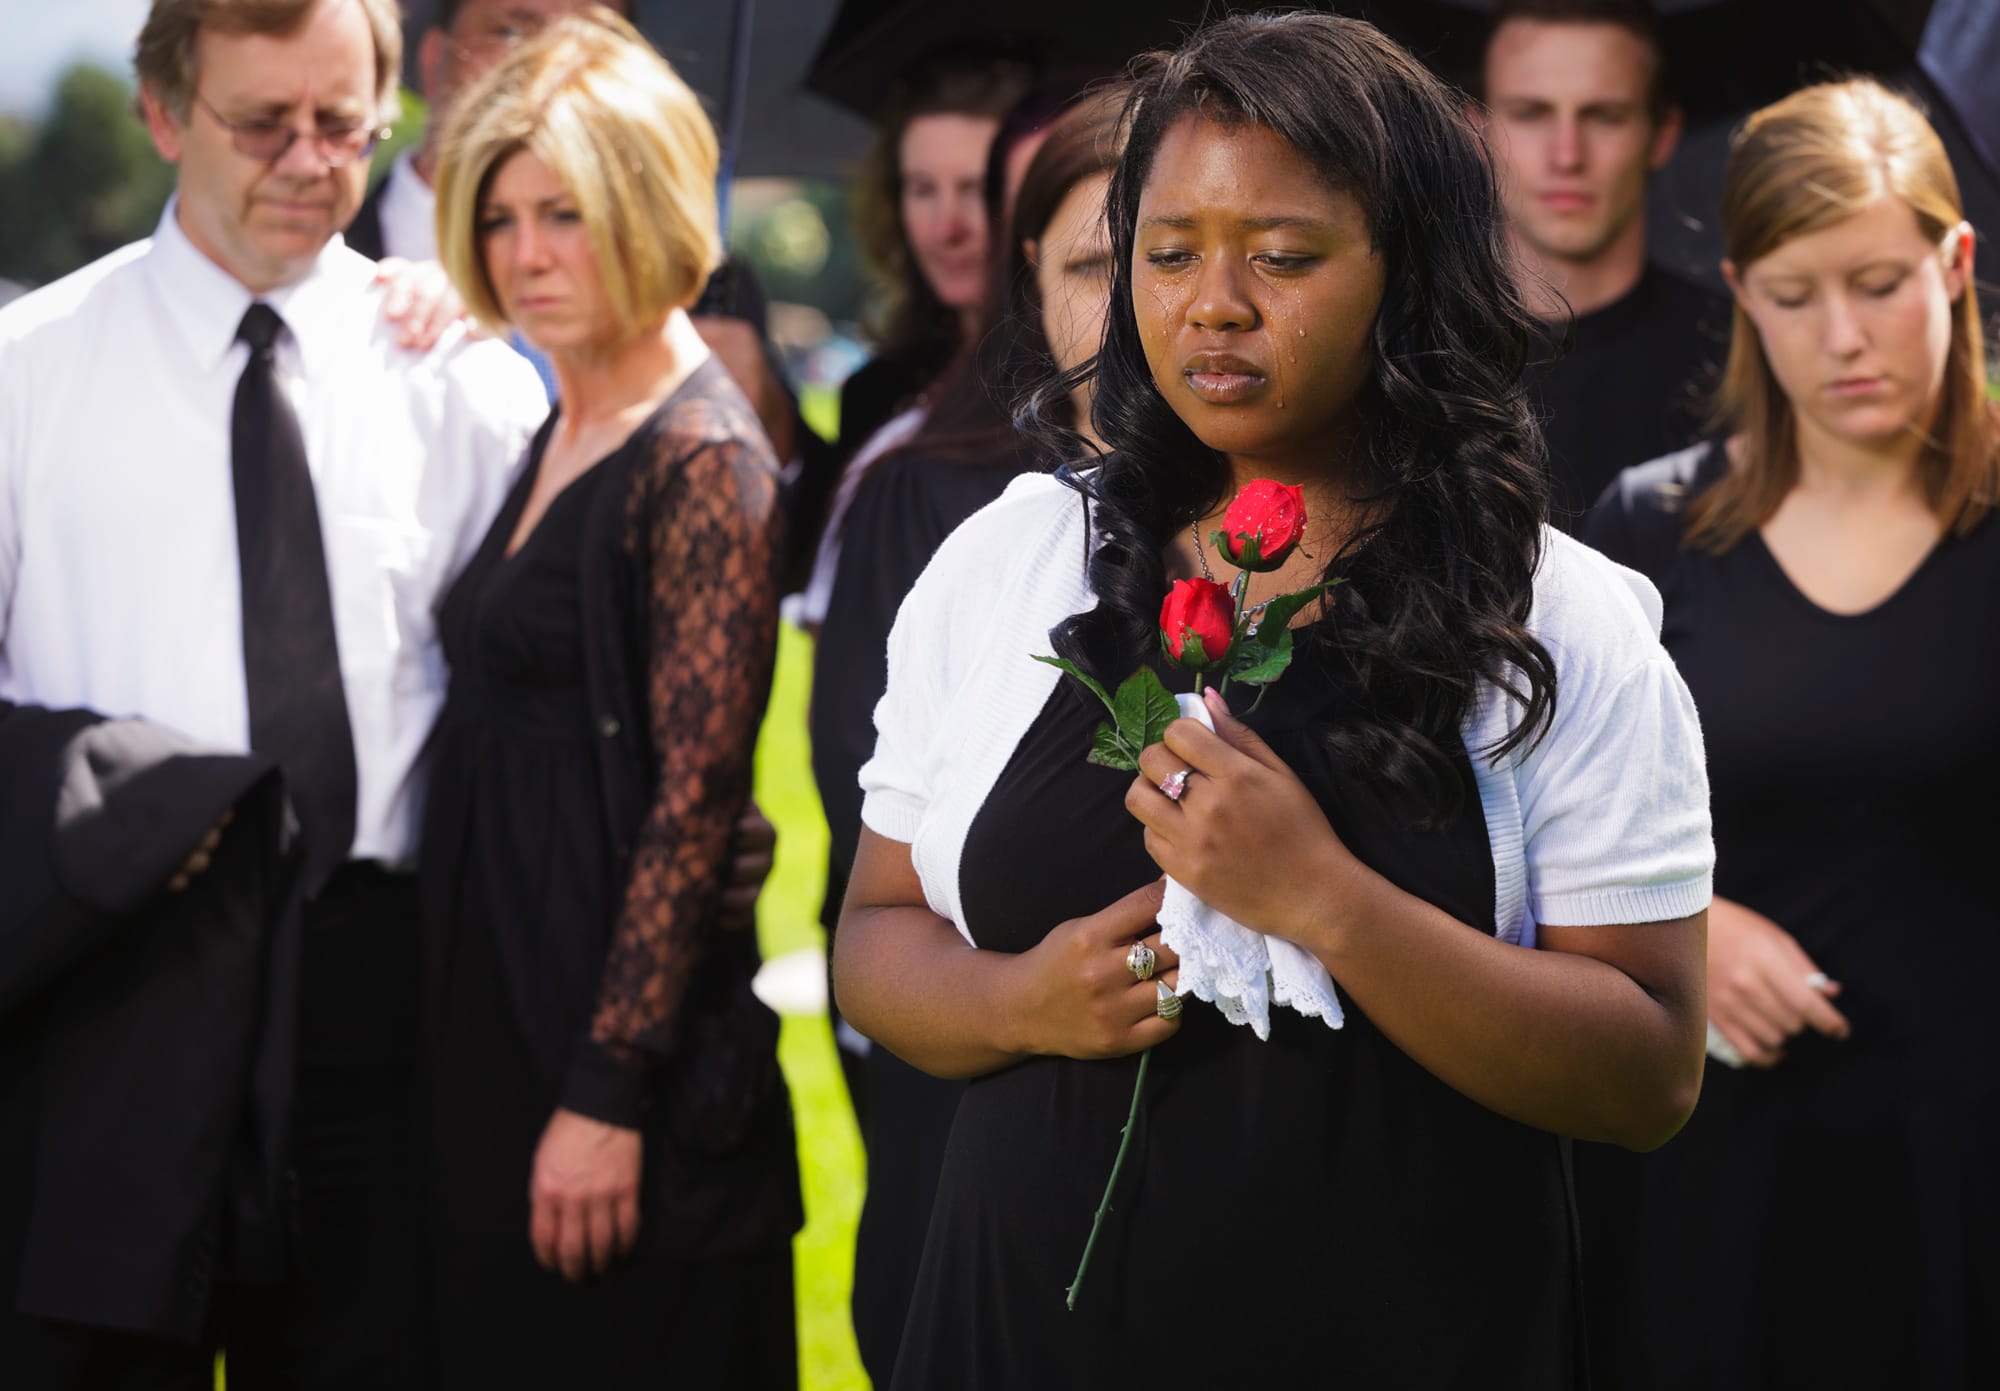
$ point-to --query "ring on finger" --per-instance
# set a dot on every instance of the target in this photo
(1175, 783)
(1166, 1004)
(1141, 960)
(1817, 980)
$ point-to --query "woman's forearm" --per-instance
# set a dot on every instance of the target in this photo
(906, 979)
(1564, 1038)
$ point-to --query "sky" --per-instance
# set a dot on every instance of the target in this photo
(45, 36)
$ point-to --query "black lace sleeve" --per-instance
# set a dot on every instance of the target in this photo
(708, 529)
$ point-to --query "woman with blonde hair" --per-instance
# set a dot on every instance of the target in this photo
(1830, 568)
(616, 1184)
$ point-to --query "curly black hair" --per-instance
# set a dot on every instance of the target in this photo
(1438, 587)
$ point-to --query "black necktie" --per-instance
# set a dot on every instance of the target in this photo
(291, 664)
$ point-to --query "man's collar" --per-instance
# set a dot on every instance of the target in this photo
(208, 303)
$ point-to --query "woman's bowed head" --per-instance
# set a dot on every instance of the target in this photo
(1198, 624)
(1262, 526)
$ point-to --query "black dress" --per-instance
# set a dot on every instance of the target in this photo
(901, 513)
(1833, 1220)
(1312, 1210)
(523, 887)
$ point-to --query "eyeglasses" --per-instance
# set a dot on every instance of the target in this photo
(267, 140)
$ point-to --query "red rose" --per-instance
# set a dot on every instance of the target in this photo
(1262, 525)
(1197, 623)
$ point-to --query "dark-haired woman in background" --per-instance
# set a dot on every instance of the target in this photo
(1481, 742)
(1049, 294)
(1831, 572)
(920, 208)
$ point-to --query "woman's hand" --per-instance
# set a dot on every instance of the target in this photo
(584, 1196)
(1080, 998)
(753, 848)
(1762, 987)
(419, 301)
(1245, 836)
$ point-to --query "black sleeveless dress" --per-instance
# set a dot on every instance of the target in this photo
(1312, 1210)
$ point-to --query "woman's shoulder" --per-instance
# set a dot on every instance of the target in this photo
(1597, 618)
(872, 393)
(1018, 555)
(706, 425)
(1641, 517)
(1029, 511)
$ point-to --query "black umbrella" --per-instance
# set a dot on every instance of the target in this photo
(780, 128)
(1728, 55)
(872, 43)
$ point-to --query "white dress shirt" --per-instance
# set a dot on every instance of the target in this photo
(409, 212)
(119, 589)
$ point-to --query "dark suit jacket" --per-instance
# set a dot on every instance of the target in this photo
(364, 234)
(145, 1036)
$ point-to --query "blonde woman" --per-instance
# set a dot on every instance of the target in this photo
(616, 1185)
(1831, 575)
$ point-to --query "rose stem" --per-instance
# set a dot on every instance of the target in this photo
(1117, 1165)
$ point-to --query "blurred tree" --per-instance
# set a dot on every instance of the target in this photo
(797, 234)
(87, 182)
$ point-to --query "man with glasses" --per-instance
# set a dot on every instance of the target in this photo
(229, 503)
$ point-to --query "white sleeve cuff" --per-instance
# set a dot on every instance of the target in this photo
(1643, 903)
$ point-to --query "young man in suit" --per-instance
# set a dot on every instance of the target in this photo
(1579, 112)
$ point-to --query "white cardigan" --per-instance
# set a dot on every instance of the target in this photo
(1604, 821)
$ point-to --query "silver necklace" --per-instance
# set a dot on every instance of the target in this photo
(1201, 558)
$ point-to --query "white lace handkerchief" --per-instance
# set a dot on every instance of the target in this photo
(1240, 972)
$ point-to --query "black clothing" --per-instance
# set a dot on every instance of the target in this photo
(900, 515)
(1832, 1220)
(364, 234)
(357, 1312)
(589, 769)
(1312, 1209)
(291, 663)
(145, 1047)
(875, 393)
(1627, 383)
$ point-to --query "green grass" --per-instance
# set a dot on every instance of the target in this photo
(830, 1159)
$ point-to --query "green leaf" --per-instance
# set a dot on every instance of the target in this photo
(1194, 655)
(1109, 750)
(1144, 708)
(1069, 668)
(1277, 616)
(1263, 663)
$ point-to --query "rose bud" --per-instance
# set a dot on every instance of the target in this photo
(1262, 525)
(1197, 624)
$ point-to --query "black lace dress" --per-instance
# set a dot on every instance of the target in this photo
(570, 959)
(1312, 1210)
